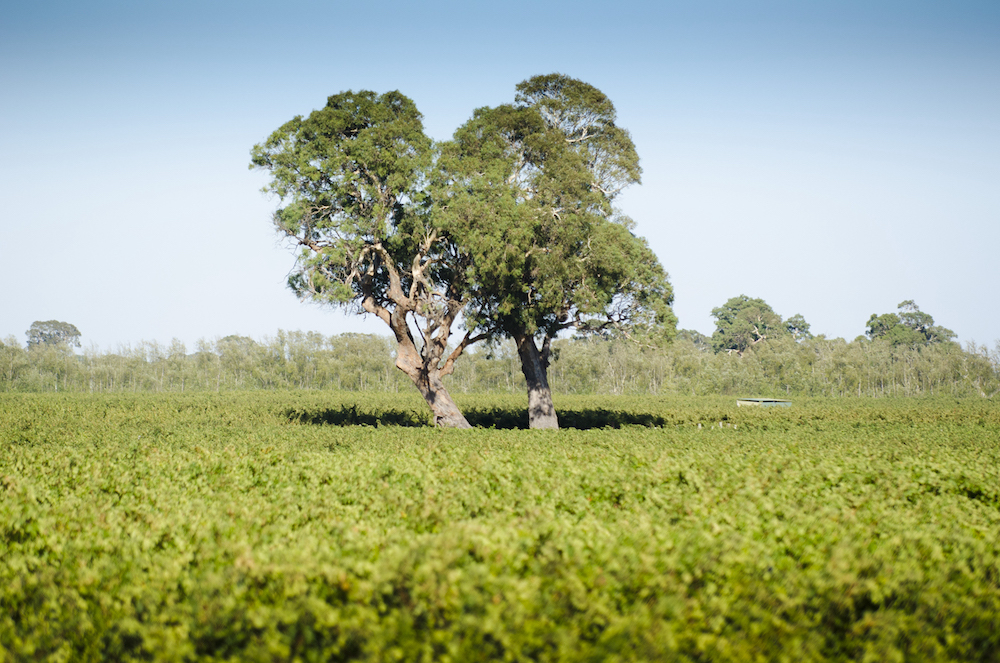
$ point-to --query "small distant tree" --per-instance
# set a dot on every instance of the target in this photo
(53, 332)
(880, 325)
(798, 327)
(743, 322)
(910, 327)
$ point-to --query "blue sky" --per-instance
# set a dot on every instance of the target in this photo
(832, 158)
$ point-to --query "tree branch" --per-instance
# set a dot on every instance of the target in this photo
(449, 364)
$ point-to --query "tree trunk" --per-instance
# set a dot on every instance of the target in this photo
(446, 413)
(535, 366)
(428, 382)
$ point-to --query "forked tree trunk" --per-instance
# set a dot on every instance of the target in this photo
(427, 380)
(424, 367)
(446, 413)
(535, 365)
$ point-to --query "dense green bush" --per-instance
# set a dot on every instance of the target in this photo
(251, 526)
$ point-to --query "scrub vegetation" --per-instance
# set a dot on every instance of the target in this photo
(781, 366)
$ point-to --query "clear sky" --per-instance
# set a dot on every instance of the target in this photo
(833, 158)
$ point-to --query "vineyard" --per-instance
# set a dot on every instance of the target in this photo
(319, 526)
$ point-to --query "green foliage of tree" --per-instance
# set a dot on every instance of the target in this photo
(527, 189)
(696, 338)
(351, 178)
(743, 322)
(13, 363)
(911, 327)
(53, 332)
(798, 327)
(880, 325)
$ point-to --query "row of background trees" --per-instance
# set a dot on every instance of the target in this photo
(753, 351)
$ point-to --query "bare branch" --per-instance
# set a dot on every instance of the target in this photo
(449, 364)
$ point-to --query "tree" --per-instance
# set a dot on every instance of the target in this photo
(696, 338)
(351, 177)
(238, 357)
(911, 327)
(13, 362)
(742, 322)
(53, 332)
(527, 190)
(798, 327)
(880, 325)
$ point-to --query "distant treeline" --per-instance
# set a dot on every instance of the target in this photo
(783, 366)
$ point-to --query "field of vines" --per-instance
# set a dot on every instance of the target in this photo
(322, 526)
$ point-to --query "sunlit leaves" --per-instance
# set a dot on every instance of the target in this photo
(251, 526)
(743, 322)
(911, 327)
(528, 189)
(349, 177)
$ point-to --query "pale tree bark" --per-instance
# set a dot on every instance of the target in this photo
(446, 412)
(427, 379)
(534, 365)
(424, 367)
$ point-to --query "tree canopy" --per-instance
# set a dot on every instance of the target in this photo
(798, 327)
(53, 332)
(352, 181)
(910, 327)
(527, 190)
(743, 322)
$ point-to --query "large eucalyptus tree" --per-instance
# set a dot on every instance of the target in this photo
(351, 180)
(527, 190)
(53, 332)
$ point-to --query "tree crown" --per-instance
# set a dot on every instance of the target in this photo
(53, 332)
(527, 189)
(351, 178)
(910, 327)
(743, 322)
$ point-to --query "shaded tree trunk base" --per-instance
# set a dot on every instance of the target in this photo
(425, 373)
(446, 412)
(534, 365)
